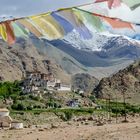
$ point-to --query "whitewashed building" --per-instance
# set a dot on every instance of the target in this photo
(64, 87)
(16, 125)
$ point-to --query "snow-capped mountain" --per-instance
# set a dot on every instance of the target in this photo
(98, 42)
(100, 51)
(93, 44)
(102, 55)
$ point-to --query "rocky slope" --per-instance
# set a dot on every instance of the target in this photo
(84, 82)
(23, 56)
(126, 81)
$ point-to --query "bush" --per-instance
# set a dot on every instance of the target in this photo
(18, 106)
(59, 106)
(14, 106)
(124, 111)
(116, 110)
(14, 97)
(22, 97)
(1, 97)
(36, 98)
(53, 104)
(92, 98)
(67, 116)
(9, 88)
(29, 107)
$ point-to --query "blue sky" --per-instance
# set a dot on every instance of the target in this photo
(29, 7)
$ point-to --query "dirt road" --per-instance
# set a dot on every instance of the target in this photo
(123, 131)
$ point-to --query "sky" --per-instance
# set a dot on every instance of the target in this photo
(23, 8)
(19, 8)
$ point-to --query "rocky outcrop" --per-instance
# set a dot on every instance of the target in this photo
(125, 81)
(84, 81)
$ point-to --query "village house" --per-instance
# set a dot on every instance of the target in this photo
(81, 92)
(36, 82)
(64, 87)
(51, 85)
(16, 125)
(73, 103)
(57, 85)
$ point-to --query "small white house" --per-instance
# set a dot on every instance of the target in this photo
(81, 92)
(34, 88)
(16, 125)
(64, 88)
(50, 85)
(4, 112)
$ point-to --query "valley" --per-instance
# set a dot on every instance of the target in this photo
(33, 72)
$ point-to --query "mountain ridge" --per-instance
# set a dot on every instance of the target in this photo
(24, 56)
(116, 53)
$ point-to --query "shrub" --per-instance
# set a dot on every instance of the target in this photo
(36, 98)
(1, 97)
(14, 106)
(116, 110)
(124, 111)
(14, 96)
(9, 88)
(38, 106)
(29, 107)
(18, 106)
(67, 116)
(92, 98)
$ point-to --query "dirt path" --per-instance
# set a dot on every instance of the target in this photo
(124, 131)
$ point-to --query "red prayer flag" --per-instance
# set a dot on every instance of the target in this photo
(115, 23)
(10, 33)
(111, 3)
